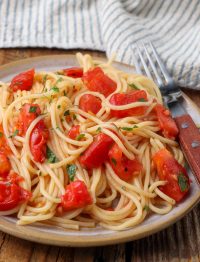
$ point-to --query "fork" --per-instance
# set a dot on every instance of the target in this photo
(149, 62)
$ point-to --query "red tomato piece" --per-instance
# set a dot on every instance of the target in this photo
(76, 196)
(75, 72)
(166, 122)
(23, 81)
(97, 81)
(5, 165)
(127, 98)
(4, 148)
(28, 113)
(90, 103)
(74, 132)
(38, 141)
(123, 167)
(176, 176)
(11, 194)
(97, 153)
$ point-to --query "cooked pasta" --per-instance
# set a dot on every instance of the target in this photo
(117, 202)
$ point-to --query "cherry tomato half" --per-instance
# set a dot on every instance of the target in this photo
(119, 99)
(76, 196)
(166, 122)
(23, 81)
(90, 103)
(171, 171)
(75, 72)
(97, 153)
(5, 165)
(123, 167)
(74, 132)
(97, 81)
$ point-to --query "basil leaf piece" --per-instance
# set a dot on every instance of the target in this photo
(79, 137)
(183, 182)
(142, 100)
(32, 109)
(67, 113)
(51, 157)
(55, 89)
(129, 128)
(71, 171)
(16, 132)
(132, 85)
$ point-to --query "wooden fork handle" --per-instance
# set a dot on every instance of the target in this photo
(189, 139)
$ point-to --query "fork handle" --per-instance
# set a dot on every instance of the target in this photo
(189, 138)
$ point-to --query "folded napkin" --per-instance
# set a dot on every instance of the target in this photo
(109, 25)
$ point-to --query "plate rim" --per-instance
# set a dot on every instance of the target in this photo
(117, 237)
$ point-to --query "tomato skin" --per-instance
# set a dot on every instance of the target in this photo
(127, 98)
(74, 131)
(38, 141)
(4, 147)
(97, 153)
(11, 194)
(75, 72)
(76, 196)
(169, 169)
(166, 122)
(90, 103)
(97, 81)
(5, 165)
(26, 117)
(23, 81)
(123, 167)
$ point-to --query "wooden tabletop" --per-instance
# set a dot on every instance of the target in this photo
(180, 242)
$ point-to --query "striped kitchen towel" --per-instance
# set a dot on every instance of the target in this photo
(109, 25)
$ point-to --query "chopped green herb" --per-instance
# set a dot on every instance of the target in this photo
(60, 79)
(1, 134)
(55, 89)
(40, 173)
(67, 113)
(79, 137)
(114, 161)
(133, 86)
(64, 92)
(59, 106)
(74, 116)
(45, 90)
(142, 100)
(183, 182)
(146, 208)
(45, 78)
(14, 134)
(62, 120)
(60, 73)
(129, 128)
(98, 129)
(51, 157)
(124, 188)
(32, 109)
(71, 171)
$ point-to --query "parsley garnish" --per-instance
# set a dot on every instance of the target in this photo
(14, 134)
(98, 129)
(79, 137)
(146, 208)
(142, 100)
(45, 78)
(59, 106)
(183, 182)
(1, 134)
(67, 113)
(133, 86)
(32, 109)
(129, 128)
(74, 116)
(114, 161)
(71, 171)
(51, 156)
(64, 92)
(123, 187)
(55, 89)
(59, 80)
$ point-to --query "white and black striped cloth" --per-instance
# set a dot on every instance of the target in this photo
(109, 25)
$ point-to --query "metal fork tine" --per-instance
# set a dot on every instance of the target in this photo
(143, 62)
(137, 66)
(160, 63)
(158, 79)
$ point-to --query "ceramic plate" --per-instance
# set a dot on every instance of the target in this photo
(86, 237)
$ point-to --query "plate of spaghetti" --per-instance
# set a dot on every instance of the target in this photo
(88, 153)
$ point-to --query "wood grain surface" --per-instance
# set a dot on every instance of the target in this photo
(180, 242)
